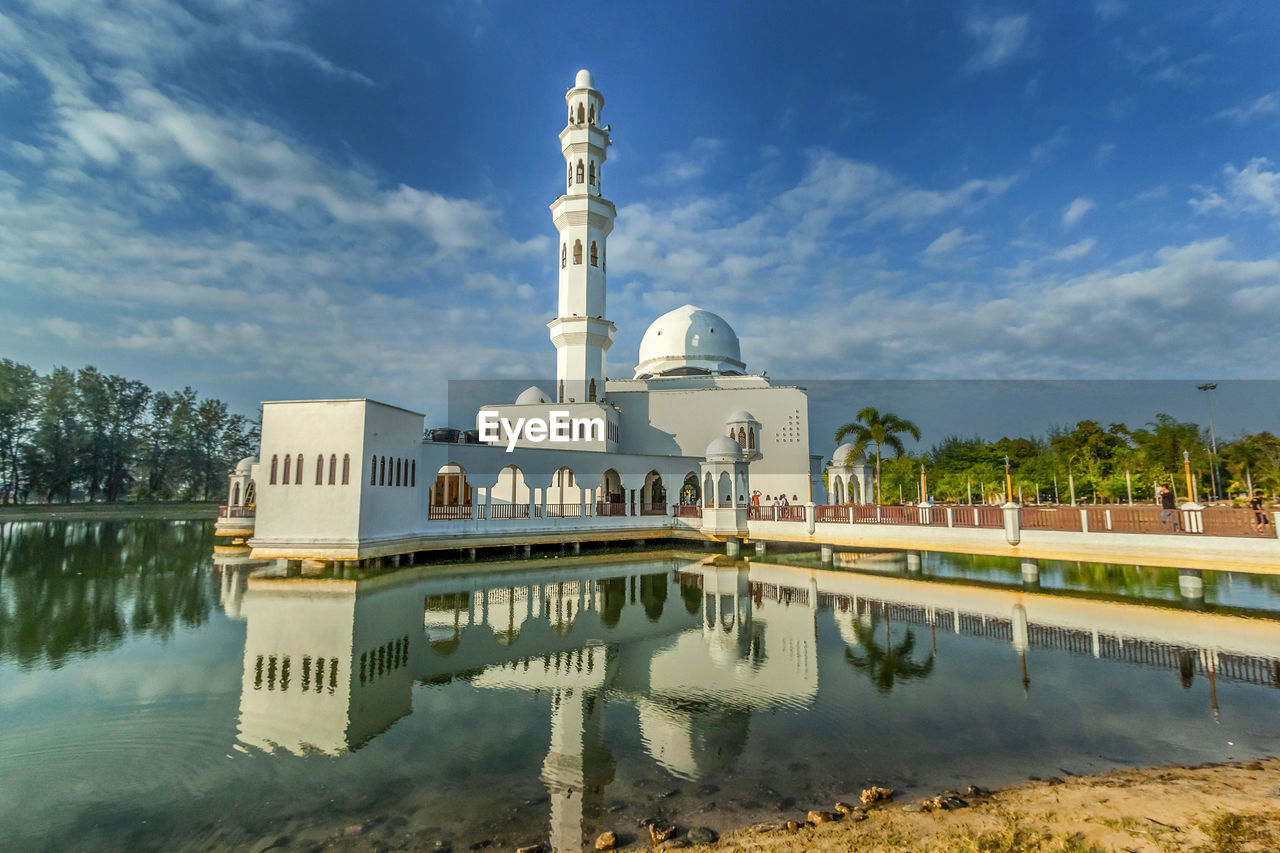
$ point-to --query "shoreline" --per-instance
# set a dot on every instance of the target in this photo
(1229, 806)
(175, 510)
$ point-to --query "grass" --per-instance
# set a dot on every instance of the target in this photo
(1235, 832)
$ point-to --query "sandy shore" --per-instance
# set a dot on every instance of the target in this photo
(1225, 807)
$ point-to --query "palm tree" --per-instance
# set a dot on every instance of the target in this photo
(889, 663)
(883, 430)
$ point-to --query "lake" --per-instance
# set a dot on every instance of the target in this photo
(155, 699)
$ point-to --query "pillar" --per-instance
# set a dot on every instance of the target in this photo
(1012, 523)
(913, 562)
(1030, 571)
(577, 547)
(828, 553)
(527, 550)
(760, 548)
(732, 546)
(1191, 584)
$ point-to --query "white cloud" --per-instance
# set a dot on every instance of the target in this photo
(1000, 40)
(1043, 150)
(1102, 155)
(1075, 250)
(683, 167)
(1252, 189)
(306, 54)
(1264, 105)
(948, 242)
(1076, 211)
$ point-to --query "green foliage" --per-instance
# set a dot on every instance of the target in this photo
(1102, 463)
(86, 435)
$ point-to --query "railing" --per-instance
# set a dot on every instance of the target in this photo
(508, 511)
(977, 516)
(688, 511)
(1236, 521)
(449, 513)
(610, 509)
(653, 508)
(237, 511)
(1049, 518)
(790, 513)
(564, 510)
(837, 513)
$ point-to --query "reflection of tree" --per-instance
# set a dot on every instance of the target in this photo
(82, 587)
(613, 597)
(888, 663)
(691, 592)
(653, 594)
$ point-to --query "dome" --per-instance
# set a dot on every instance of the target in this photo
(583, 80)
(844, 456)
(532, 394)
(245, 464)
(689, 341)
(741, 416)
(723, 449)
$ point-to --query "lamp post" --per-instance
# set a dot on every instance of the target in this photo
(924, 485)
(1213, 440)
(1008, 481)
(1186, 465)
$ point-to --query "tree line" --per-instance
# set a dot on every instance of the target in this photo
(83, 435)
(1100, 464)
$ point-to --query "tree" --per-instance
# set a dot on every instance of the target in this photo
(19, 407)
(57, 436)
(870, 427)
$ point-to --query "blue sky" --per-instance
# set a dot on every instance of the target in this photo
(273, 200)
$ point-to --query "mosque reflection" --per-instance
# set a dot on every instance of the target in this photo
(696, 646)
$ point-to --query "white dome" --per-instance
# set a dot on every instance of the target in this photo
(723, 449)
(689, 341)
(741, 416)
(844, 456)
(583, 80)
(243, 466)
(532, 394)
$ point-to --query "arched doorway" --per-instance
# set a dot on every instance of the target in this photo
(724, 490)
(510, 495)
(611, 500)
(653, 495)
(689, 492)
(450, 494)
(564, 495)
(235, 494)
(250, 494)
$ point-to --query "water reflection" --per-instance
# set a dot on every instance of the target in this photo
(696, 648)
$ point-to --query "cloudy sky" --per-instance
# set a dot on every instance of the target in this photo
(269, 199)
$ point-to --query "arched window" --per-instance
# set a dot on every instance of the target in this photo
(373, 471)
(333, 469)
(320, 470)
(560, 393)
(577, 251)
(298, 474)
(235, 495)
(288, 460)
(591, 390)
(580, 171)
(595, 255)
(398, 461)
(570, 115)
(382, 471)
(730, 432)
(751, 438)
(742, 437)
(413, 473)
(346, 469)
(591, 114)
(592, 173)
(580, 119)
(564, 255)
(275, 463)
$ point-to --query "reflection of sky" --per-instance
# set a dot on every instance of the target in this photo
(136, 733)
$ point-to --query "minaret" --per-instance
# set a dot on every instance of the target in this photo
(584, 219)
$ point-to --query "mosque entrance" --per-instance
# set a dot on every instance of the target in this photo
(689, 492)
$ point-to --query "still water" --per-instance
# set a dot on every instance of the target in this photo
(154, 700)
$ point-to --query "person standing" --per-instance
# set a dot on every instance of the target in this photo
(1260, 520)
(1168, 509)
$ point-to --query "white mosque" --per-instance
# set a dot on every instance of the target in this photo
(685, 441)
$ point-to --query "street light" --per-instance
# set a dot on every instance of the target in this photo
(1213, 441)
